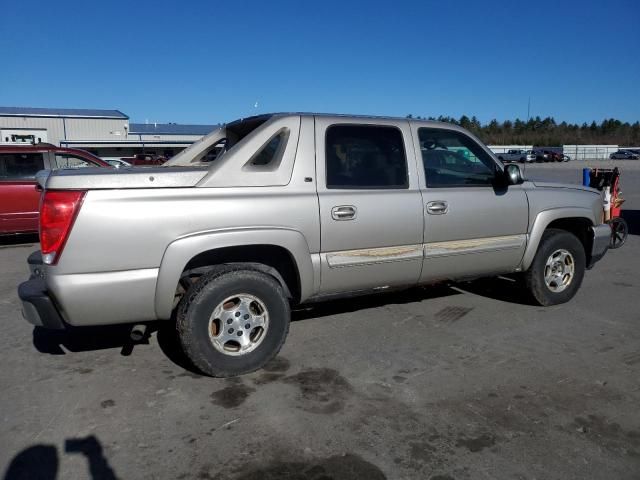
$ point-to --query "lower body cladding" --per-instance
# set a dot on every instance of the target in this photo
(90, 298)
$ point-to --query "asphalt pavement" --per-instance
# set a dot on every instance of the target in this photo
(464, 381)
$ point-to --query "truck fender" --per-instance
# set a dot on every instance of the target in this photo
(182, 250)
(542, 221)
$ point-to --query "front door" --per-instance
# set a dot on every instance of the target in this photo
(474, 225)
(19, 198)
(370, 204)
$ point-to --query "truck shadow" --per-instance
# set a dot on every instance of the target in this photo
(364, 302)
(633, 220)
(81, 339)
(498, 288)
(84, 339)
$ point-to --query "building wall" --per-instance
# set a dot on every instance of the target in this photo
(96, 129)
(53, 126)
(59, 129)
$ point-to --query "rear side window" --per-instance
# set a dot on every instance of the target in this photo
(270, 155)
(365, 157)
(19, 166)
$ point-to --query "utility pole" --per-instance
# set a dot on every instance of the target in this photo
(528, 108)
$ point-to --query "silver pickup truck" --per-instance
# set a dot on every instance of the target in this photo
(272, 211)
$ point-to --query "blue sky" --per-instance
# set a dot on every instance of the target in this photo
(209, 61)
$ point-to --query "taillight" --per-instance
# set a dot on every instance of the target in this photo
(58, 211)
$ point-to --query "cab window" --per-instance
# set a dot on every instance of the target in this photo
(365, 157)
(20, 166)
(452, 159)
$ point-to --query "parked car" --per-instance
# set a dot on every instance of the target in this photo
(298, 208)
(565, 158)
(516, 155)
(18, 167)
(546, 155)
(624, 155)
(529, 157)
(117, 162)
(145, 160)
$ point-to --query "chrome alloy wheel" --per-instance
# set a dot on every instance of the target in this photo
(559, 270)
(238, 324)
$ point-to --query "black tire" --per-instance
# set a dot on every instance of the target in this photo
(552, 241)
(619, 232)
(198, 304)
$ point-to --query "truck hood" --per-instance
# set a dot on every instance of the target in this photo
(109, 178)
(572, 186)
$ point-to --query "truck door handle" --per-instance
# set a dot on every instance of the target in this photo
(343, 212)
(439, 207)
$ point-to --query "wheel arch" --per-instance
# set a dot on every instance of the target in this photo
(575, 220)
(282, 253)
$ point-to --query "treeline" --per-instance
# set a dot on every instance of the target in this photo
(547, 132)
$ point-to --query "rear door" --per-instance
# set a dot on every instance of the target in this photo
(19, 198)
(370, 204)
(474, 225)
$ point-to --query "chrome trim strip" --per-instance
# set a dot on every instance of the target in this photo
(474, 245)
(352, 258)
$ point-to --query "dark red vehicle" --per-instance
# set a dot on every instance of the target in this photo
(546, 155)
(18, 167)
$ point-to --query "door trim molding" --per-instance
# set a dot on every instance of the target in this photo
(366, 256)
(474, 245)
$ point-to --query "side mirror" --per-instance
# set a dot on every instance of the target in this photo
(512, 174)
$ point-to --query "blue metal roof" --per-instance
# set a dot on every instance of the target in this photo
(169, 129)
(61, 112)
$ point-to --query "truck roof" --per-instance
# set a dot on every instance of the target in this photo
(342, 116)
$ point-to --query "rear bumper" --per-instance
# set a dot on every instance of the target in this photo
(37, 306)
(600, 244)
(86, 299)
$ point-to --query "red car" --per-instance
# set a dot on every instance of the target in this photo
(18, 167)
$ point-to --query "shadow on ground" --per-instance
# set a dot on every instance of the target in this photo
(364, 302)
(633, 220)
(83, 339)
(40, 462)
(80, 339)
(500, 288)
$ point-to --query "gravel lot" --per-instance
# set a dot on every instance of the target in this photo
(450, 382)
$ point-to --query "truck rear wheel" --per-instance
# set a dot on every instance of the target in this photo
(232, 321)
(557, 270)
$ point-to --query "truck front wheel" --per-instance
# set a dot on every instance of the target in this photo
(557, 270)
(232, 321)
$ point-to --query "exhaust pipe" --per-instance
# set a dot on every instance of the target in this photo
(138, 332)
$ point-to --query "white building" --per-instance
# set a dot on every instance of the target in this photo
(106, 133)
